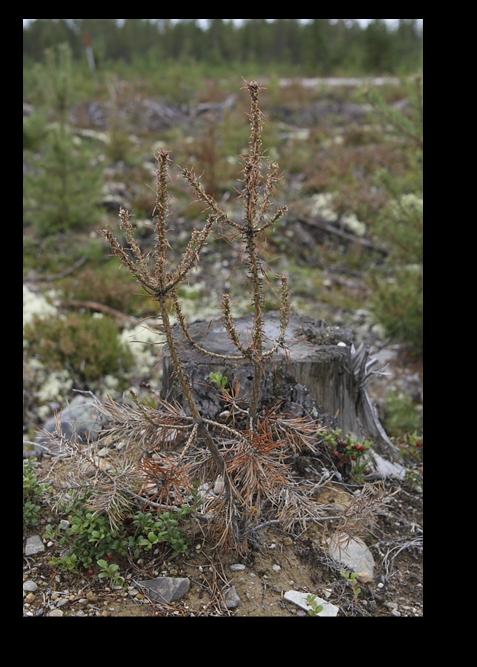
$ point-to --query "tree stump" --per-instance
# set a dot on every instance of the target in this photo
(316, 374)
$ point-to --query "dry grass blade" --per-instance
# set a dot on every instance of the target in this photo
(392, 553)
(361, 514)
(293, 507)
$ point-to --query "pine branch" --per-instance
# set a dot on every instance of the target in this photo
(196, 346)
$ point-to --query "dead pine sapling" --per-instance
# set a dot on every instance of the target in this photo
(252, 458)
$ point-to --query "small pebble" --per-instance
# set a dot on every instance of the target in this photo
(29, 586)
(237, 567)
(60, 603)
(55, 612)
(34, 545)
(395, 612)
(49, 544)
(30, 597)
(64, 524)
(276, 568)
(380, 585)
(90, 596)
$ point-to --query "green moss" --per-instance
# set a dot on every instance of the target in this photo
(87, 347)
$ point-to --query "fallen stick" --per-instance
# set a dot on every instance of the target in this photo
(101, 308)
(334, 231)
(63, 274)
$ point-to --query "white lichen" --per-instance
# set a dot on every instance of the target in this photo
(321, 205)
(37, 305)
(57, 385)
(352, 224)
(144, 344)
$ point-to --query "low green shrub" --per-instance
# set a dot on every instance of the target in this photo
(90, 539)
(87, 347)
(398, 303)
(401, 415)
(348, 453)
(33, 495)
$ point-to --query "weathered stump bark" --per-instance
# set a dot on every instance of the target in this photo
(315, 375)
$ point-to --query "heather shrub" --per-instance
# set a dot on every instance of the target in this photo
(87, 347)
(112, 286)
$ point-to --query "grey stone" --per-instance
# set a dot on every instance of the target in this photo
(55, 612)
(237, 567)
(300, 599)
(34, 545)
(29, 586)
(352, 552)
(391, 605)
(166, 589)
(384, 469)
(64, 524)
(81, 418)
(219, 485)
(232, 598)
(115, 196)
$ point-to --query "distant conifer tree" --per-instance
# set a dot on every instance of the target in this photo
(64, 188)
